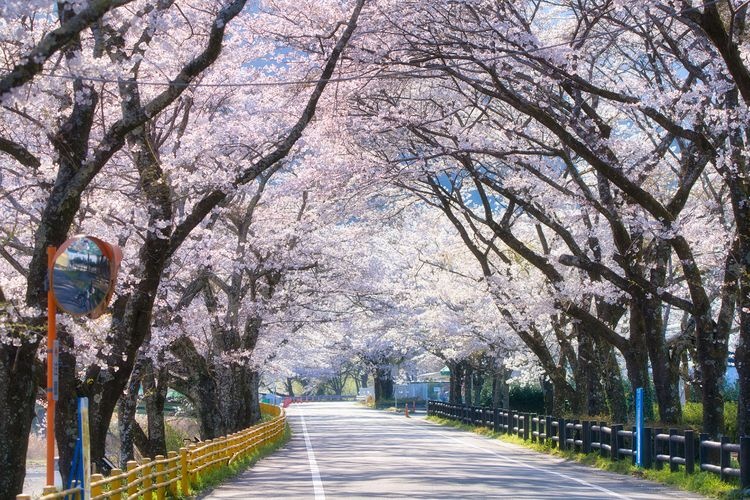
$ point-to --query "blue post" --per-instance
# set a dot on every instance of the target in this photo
(639, 425)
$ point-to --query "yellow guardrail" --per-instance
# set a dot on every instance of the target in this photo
(177, 471)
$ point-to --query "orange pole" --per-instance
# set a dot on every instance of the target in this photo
(51, 337)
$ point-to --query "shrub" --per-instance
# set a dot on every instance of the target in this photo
(527, 398)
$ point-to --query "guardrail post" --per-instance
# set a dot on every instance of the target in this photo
(148, 480)
(172, 474)
(673, 451)
(511, 416)
(562, 433)
(519, 425)
(96, 489)
(496, 419)
(648, 448)
(160, 492)
(602, 451)
(658, 464)
(724, 458)
(703, 452)
(534, 427)
(586, 436)
(526, 426)
(184, 472)
(614, 441)
(548, 429)
(689, 451)
(117, 483)
(744, 462)
(132, 478)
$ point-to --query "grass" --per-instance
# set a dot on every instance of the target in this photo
(208, 482)
(692, 417)
(705, 483)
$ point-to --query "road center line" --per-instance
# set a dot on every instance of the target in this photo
(314, 472)
(522, 464)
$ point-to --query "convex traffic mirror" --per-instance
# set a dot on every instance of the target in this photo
(84, 273)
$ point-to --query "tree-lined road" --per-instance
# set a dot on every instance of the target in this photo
(342, 450)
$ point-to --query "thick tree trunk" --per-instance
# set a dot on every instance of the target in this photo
(613, 384)
(477, 383)
(636, 363)
(665, 372)
(18, 389)
(383, 383)
(238, 397)
(66, 409)
(289, 387)
(363, 381)
(155, 395)
(500, 393)
(549, 394)
(468, 376)
(589, 397)
(456, 376)
(126, 423)
(562, 394)
(204, 398)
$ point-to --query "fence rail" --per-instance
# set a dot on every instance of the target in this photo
(175, 473)
(613, 441)
(319, 398)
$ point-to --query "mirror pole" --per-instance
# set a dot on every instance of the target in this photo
(51, 337)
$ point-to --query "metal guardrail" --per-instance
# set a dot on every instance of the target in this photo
(177, 471)
(612, 441)
(317, 399)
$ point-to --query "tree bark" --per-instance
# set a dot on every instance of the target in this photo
(126, 423)
(456, 376)
(19, 380)
(468, 376)
(383, 383)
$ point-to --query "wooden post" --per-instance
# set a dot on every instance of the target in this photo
(703, 452)
(745, 462)
(526, 426)
(96, 490)
(658, 464)
(673, 451)
(586, 436)
(160, 490)
(195, 461)
(132, 478)
(724, 457)
(117, 484)
(172, 462)
(147, 475)
(648, 448)
(184, 472)
(614, 442)
(562, 433)
(689, 451)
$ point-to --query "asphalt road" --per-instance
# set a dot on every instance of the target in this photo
(342, 450)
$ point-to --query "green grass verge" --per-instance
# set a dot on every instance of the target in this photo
(705, 483)
(208, 482)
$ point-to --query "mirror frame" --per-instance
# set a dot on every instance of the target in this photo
(113, 255)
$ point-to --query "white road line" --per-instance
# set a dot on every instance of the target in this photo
(314, 472)
(529, 466)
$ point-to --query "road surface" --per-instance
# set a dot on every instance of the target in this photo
(342, 450)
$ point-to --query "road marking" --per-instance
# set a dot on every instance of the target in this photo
(317, 483)
(529, 466)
